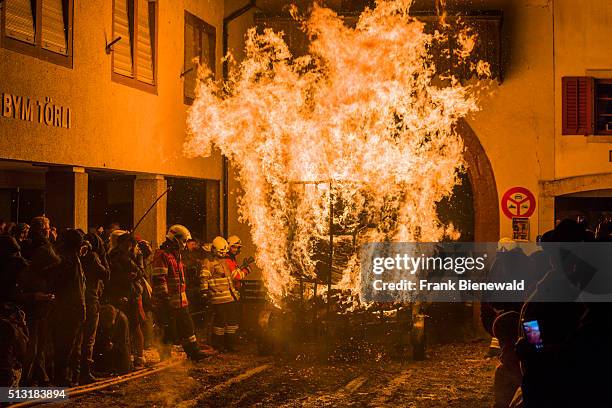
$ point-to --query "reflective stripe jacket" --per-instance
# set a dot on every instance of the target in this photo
(237, 273)
(216, 282)
(168, 278)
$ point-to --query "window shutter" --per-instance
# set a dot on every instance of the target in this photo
(207, 43)
(577, 105)
(190, 77)
(199, 45)
(19, 20)
(144, 47)
(122, 50)
(53, 27)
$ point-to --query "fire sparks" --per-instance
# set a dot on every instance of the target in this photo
(357, 125)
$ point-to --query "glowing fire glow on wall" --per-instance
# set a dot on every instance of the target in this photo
(363, 117)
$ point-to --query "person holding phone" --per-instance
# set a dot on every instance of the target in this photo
(545, 349)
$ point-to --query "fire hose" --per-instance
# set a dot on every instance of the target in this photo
(151, 207)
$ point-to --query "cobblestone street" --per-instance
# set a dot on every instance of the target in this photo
(454, 375)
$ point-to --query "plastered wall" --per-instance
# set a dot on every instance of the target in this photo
(113, 126)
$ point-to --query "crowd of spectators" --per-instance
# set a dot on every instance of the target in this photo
(553, 354)
(73, 303)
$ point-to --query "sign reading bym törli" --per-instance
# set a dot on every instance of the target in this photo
(32, 110)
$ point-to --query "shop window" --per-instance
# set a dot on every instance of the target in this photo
(587, 106)
(200, 41)
(195, 204)
(134, 55)
(21, 204)
(39, 28)
(111, 199)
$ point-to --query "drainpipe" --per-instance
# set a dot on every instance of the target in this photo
(224, 161)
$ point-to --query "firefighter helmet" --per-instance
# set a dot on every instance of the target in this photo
(234, 240)
(178, 233)
(220, 246)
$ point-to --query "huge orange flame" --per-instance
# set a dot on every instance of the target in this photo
(359, 118)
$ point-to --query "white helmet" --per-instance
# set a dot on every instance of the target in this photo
(178, 233)
(220, 246)
(506, 244)
(234, 240)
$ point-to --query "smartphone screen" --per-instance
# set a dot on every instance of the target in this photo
(533, 334)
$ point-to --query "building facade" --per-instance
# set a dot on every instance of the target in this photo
(94, 106)
(527, 166)
(95, 98)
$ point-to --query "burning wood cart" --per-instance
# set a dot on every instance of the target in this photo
(322, 313)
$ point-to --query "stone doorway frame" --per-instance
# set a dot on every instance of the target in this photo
(549, 189)
(484, 187)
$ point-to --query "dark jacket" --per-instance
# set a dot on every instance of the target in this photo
(112, 346)
(36, 278)
(124, 276)
(13, 341)
(508, 265)
(550, 375)
(67, 283)
(12, 265)
(96, 275)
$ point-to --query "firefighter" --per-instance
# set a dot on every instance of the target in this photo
(170, 297)
(218, 288)
(238, 272)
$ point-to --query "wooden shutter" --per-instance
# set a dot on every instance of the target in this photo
(20, 20)
(144, 48)
(577, 105)
(207, 48)
(199, 44)
(122, 50)
(190, 77)
(54, 36)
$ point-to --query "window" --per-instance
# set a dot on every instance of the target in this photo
(603, 106)
(39, 28)
(134, 55)
(200, 42)
(486, 24)
(587, 106)
(195, 203)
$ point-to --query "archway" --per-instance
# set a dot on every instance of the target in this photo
(475, 202)
(484, 188)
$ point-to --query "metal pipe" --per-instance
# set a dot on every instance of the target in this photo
(18, 203)
(102, 384)
(232, 16)
(331, 248)
(315, 309)
(150, 208)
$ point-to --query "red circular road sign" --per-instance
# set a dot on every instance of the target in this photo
(518, 202)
